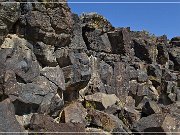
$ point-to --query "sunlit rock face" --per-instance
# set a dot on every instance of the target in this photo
(60, 72)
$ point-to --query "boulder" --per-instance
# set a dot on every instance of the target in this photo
(45, 54)
(120, 41)
(151, 107)
(152, 123)
(43, 25)
(74, 113)
(54, 75)
(175, 41)
(21, 58)
(101, 100)
(44, 123)
(9, 14)
(174, 55)
(8, 121)
(145, 47)
(105, 121)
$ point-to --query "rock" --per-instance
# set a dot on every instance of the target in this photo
(24, 120)
(169, 124)
(11, 85)
(175, 41)
(95, 21)
(145, 48)
(54, 75)
(174, 55)
(129, 115)
(163, 56)
(154, 72)
(44, 24)
(62, 57)
(8, 122)
(73, 113)
(45, 54)
(96, 41)
(77, 41)
(120, 41)
(9, 14)
(151, 107)
(44, 123)
(60, 72)
(154, 124)
(101, 100)
(37, 96)
(105, 121)
(76, 75)
(142, 76)
(22, 60)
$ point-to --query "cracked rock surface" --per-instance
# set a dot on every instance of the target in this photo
(60, 72)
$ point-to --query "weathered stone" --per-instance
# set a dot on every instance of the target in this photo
(77, 41)
(175, 41)
(44, 123)
(24, 120)
(145, 50)
(154, 72)
(169, 124)
(76, 75)
(162, 57)
(101, 100)
(151, 107)
(74, 113)
(152, 123)
(54, 75)
(142, 76)
(62, 57)
(45, 54)
(174, 55)
(44, 25)
(96, 131)
(120, 41)
(9, 14)
(105, 121)
(8, 122)
(22, 60)
(96, 41)
(95, 21)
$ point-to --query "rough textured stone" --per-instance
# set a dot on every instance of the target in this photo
(21, 59)
(64, 72)
(101, 100)
(8, 122)
(44, 123)
(74, 113)
(54, 75)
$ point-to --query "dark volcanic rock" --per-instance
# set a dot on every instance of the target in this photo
(44, 123)
(60, 72)
(120, 40)
(9, 14)
(8, 122)
(175, 41)
(54, 22)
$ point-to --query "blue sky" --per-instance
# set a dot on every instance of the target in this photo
(158, 19)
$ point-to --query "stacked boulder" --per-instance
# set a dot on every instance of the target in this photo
(60, 72)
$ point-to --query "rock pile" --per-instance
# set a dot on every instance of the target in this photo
(60, 72)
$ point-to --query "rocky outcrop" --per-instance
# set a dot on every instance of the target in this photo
(60, 72)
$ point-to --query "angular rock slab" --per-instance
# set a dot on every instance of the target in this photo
(54, 75)
(44, 123)
(74, 113)
(8, 121)
(102, 100)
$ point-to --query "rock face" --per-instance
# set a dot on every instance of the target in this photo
(60, 72)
